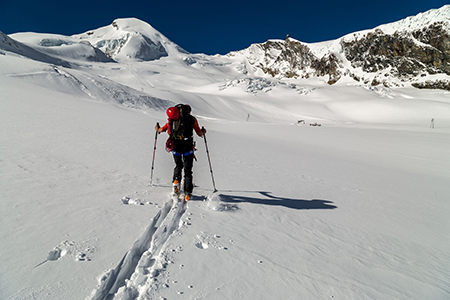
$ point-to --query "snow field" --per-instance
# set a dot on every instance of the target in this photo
(334, 211)
(356, 208)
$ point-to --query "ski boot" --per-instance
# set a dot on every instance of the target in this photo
(187, 197)
(176, 187)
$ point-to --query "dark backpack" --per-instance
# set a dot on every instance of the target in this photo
(181, 131)
(182, 128)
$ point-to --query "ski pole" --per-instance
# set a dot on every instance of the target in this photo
(153, 160)
(209, 160)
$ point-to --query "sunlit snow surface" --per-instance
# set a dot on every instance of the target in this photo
(355, 207)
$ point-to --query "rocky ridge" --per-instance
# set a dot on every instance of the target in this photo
(416, 52)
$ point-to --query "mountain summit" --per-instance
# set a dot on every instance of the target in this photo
(131, 38)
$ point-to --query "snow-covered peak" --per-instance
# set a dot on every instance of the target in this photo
(122, 26)
(131, 38)
(419, 21)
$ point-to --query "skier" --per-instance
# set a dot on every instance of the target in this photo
(180, 127)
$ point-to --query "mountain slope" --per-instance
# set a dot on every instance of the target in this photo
(64, 47)
(414, 50)
(13, 46)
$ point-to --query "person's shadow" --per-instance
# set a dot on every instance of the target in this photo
(268, 199)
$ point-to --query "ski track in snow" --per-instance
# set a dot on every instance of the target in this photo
(140, 263)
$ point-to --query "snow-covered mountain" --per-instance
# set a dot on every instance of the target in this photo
(131, 38)
(414, 50)
(411, 52)
(123, 40)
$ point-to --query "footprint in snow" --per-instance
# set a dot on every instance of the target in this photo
(201, 245)
(127, 200)
(205, 240)
(56, 254)
(53, 255)
(68, 248)
(130, 201)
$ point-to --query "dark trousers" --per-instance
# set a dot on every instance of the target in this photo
(184, 163)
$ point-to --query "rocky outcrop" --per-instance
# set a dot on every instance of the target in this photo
(437, 37)
(285, 59)
(436, 84)
(293, 59)
(328, 65)
(404, 53)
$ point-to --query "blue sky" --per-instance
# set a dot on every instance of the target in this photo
(212, 27)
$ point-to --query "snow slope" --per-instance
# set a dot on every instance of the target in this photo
(417, 22)
(356, 208)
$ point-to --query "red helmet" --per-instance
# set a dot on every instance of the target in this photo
(173, 113)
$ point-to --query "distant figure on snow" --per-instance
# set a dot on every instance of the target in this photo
(180, 127)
